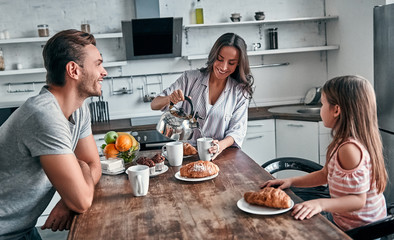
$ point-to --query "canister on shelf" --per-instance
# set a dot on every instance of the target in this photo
(43, 30)
(273, 38)
(85, 27)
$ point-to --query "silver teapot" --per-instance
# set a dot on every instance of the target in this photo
(177, 124)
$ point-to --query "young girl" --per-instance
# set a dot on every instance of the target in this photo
(354, 169)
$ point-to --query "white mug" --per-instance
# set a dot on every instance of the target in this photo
(139, 179)
(173, 151)
(203, 145)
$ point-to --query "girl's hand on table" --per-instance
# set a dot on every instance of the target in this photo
(306, 210)
(279, 183)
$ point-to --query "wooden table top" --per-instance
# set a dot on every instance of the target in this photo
(175, 209)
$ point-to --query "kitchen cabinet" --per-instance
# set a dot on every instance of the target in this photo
(296, 139)
(41, 220)
(259, 143)
(301, 139)
(261, 24)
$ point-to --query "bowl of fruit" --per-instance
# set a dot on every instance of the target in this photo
(120, 145)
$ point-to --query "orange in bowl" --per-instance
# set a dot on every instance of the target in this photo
(110, 151)
(123, 143)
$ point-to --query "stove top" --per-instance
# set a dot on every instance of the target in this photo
(150, 139)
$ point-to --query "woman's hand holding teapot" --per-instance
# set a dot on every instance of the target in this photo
(176, 96)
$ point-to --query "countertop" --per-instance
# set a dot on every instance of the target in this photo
(255, 113)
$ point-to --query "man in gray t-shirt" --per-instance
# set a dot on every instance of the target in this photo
(47, 143)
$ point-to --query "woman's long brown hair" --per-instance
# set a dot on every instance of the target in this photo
(242, 73)
(358, 119)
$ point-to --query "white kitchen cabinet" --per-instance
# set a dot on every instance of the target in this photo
(296, 139)
(259, 143)
(41, 220)
(301, 139)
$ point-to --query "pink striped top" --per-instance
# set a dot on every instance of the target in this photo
(355, 181)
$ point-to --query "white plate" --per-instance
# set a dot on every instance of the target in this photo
(165, 169)
(255, 209)
(178, 176)
(114, 172)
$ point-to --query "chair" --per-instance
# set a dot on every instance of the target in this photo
(383, 228)
(304, 165)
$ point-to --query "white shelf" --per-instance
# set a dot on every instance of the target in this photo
(306, 19)
(44, 39)
(43, 70)
(273, 51)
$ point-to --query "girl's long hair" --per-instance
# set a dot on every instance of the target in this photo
(242, 73)
(358, 119)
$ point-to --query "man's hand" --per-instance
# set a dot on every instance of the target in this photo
(60, 218)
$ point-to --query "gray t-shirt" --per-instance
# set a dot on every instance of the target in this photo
(37, 128)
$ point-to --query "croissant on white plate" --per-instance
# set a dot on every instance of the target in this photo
(188, 149)
(269, 197)
(199, 169)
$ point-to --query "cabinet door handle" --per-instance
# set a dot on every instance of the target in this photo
(259, 125)
(295, 125)
(251, 138)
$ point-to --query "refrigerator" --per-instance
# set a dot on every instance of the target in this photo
(384, 86)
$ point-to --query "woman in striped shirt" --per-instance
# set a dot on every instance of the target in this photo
(220, 93)
(354, 169)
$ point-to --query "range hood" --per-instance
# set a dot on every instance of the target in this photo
(147, 9)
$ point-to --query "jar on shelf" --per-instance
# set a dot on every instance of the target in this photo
(85, 27)
(273, 38)
(43, 30)
(2, 65)
(199, 12)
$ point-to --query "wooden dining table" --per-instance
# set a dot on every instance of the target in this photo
(177, 209)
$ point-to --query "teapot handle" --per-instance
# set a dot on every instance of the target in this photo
(191, 104)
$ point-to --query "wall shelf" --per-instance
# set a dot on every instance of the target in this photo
(306, 19)
(259, 23)
(44, 39)
(274, 51)
(43, 70)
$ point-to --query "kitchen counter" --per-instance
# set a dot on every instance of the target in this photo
(255, 113)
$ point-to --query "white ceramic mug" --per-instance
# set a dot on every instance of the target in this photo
(173, 151)
(203, 145)
(139, 179)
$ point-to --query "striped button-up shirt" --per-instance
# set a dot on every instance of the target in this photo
(227, 117)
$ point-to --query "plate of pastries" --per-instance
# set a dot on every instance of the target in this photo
(198, 171)
(188, 150)
(267, 201)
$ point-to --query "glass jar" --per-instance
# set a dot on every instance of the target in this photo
(273, 38)
(43, 30)
(85, 27)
